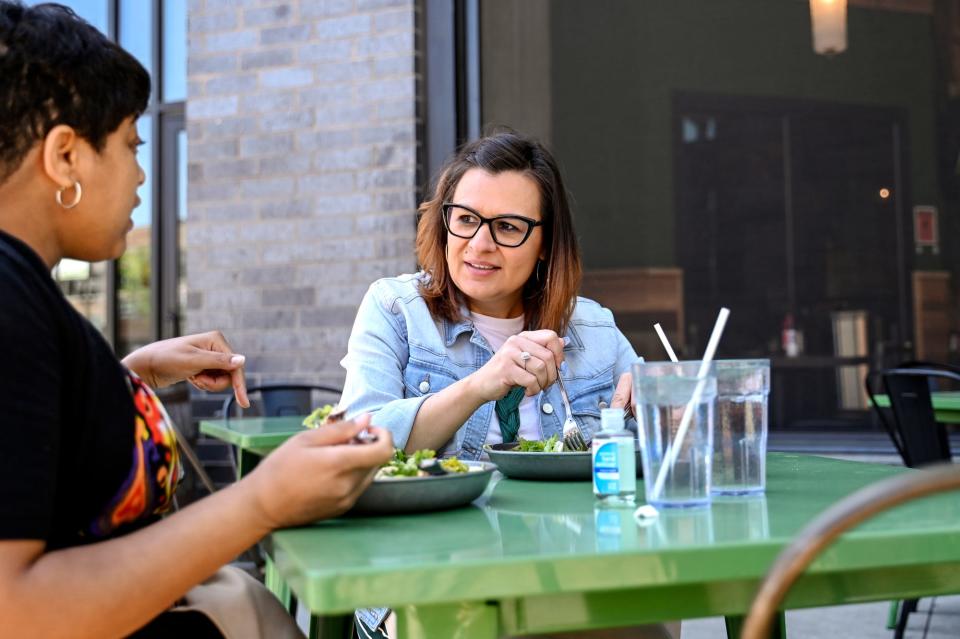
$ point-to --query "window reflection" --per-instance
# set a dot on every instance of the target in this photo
(85, 286)
(134, 268)
(91, 288)
(136, 31)
(181, 229)
(174, 50)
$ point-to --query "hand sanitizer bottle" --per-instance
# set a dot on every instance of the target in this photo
(614, 460)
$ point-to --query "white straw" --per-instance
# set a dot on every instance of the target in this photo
(665, 341)
(674, 449)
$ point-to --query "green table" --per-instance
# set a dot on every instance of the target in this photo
(946, 405)
(254, 437)
(537, 557)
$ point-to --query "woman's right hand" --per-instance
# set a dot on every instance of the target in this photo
(318, 473)
(507, 368)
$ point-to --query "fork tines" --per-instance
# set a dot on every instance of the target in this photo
(574, 441)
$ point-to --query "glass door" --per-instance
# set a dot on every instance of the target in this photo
(848, 275)
(788, 213)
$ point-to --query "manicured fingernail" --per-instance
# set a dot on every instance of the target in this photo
(566, 341)
(238, 360)
(563, 367)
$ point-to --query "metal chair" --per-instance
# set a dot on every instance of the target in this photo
(282, 399)
(914, 430)
(822, 531)
(278, 400)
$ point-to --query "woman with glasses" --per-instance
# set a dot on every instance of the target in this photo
(467, 351)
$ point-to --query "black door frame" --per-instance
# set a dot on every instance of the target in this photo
(788, 107)
(449, 95)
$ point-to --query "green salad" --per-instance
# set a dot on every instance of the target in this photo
(318, 417)
(404, 465)
(552, 444)
(454, 465)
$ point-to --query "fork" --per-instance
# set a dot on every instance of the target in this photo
(572, 435)
(363, 437)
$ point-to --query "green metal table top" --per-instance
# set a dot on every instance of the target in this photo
(946, 405)
(258, 435)
(549, 557)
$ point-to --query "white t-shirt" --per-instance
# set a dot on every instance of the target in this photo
(496, 331)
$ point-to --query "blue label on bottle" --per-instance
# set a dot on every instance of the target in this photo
(606, 469)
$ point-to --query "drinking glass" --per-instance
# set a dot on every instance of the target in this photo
(740, 435)
(662, 393)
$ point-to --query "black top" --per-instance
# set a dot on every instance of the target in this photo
(86, 450)
(66, 412)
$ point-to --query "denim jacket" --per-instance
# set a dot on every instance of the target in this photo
(399, 354)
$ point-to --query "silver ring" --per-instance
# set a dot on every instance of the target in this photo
(524, 356)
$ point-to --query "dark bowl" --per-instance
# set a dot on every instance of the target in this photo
(421, 494)
(570, 466)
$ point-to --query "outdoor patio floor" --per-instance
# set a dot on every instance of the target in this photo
(860, 621)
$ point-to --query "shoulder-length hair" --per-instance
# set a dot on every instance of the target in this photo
(550, 292)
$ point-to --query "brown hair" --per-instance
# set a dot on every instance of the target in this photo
(549, 293)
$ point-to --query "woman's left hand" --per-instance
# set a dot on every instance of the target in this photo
(205, 360)
(623, 395)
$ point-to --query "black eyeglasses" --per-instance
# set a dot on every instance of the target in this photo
(506, 230)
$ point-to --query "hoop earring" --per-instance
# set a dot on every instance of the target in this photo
(76, 199)
(537, 271)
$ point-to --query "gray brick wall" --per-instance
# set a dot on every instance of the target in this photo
(302, 152)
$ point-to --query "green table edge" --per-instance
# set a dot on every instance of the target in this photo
(259, 444)
(946, 406)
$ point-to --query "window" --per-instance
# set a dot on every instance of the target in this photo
(87, 285)
(174, 50)
(140, 297)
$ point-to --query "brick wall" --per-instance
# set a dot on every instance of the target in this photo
(302, 157)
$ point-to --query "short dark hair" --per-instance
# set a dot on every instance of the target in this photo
(548, 298)
(55, 68)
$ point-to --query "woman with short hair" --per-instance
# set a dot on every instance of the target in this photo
(88, 459)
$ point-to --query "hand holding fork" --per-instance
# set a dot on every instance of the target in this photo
(573, 438)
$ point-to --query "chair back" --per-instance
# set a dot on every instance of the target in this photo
(281, 400)
(830, 524)
(914, 430)
(924, 440)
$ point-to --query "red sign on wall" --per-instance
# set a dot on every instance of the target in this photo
(925, 228)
